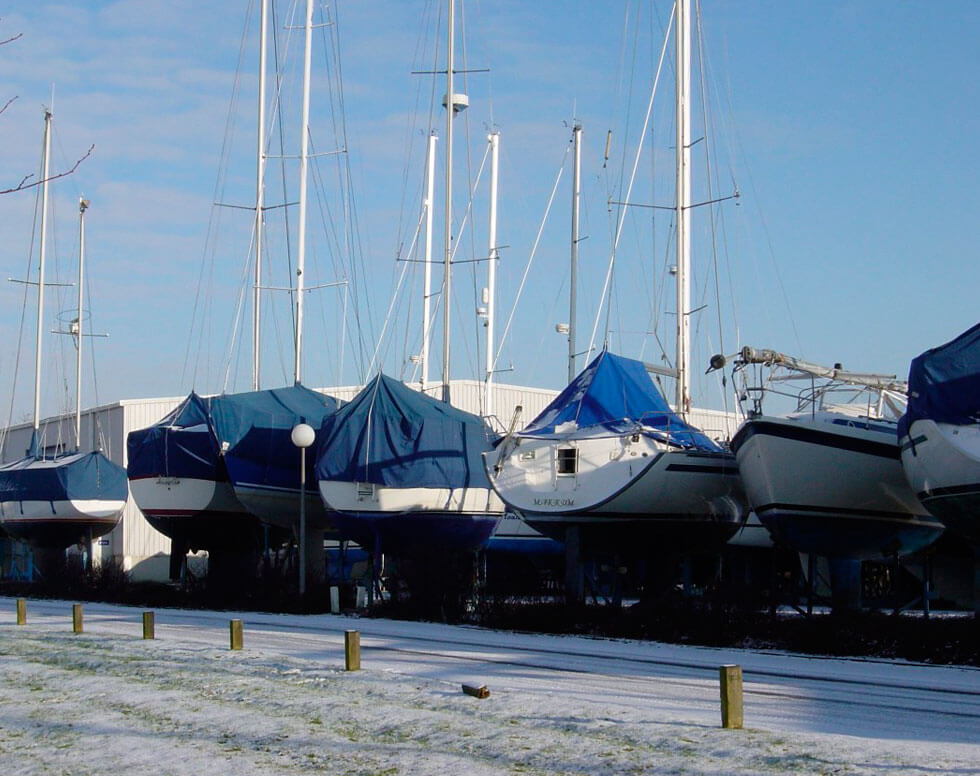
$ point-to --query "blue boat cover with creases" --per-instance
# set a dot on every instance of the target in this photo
(944, 383)
(392, 435)
(255, 425)
(74, 476)
(617, 393)
(258, 428)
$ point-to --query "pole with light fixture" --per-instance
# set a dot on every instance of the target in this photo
(302, 436)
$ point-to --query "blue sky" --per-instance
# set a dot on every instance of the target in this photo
(849, 129)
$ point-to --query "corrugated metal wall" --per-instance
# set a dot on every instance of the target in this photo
(134, 540)
(142, 549)
(717, 424)
(469, 395)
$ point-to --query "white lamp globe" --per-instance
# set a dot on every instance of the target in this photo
(302, 435)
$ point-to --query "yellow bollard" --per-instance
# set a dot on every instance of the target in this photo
(148, 625)
(21, 611)
(731, 696)
(235, 627)
(352, 650)
(76, 618)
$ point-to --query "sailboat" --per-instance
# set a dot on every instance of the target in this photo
(404, 473)
(263, 463)
(402, 469)
(826, 479)
(609, 459)
(53, 502)
(939, 434)
(211, 470)
(204, 474)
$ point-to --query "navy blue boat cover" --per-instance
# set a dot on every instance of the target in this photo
(258, 429)
(617, 393)
(66, 477)
(181, 444)
(255, 425)
(392, 435)
(944, 383)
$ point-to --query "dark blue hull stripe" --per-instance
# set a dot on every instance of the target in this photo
(801, 433)
(972, 489)
(814, 510)
(731, 471)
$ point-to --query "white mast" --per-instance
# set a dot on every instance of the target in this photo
(259, 202)
(573, 272)
(45, 166)
(683, 397)
(82, 207)
(430, 185)
(303, 164)
(450, 110)
(494, 138)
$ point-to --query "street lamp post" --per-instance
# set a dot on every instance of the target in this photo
(302, 436)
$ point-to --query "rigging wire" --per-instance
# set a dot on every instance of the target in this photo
(23, 313)
(530, 259)
(203, 304)
(352, 248)
(623, 208)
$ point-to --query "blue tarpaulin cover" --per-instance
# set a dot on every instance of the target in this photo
(255, 426)
(181, 444)
(944, 383)
(75, 476)
(616, 393)
(392, 435)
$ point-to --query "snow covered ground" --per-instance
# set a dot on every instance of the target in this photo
(106, 701)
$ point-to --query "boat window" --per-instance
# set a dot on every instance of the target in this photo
(567, 460)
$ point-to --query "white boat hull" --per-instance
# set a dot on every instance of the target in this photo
(202, 512)
(833, 489)
(60, 523)
(942, 464)
(398, 519)
(627, 493)
(280, 507)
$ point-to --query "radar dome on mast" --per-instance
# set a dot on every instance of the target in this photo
(460, 102)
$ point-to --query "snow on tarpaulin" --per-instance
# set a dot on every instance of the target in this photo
(944, 383)
(616, 393)
(392, 435)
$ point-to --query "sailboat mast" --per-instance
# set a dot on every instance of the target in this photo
(303, 165)
(446, 279)
(45, 166)
(683, 397)
(573, 259)
(494, 139)
(430, 185)
(259, 202)
(82, 207)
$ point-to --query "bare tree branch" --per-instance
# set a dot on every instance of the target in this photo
(11, 40)
(24, 185)
(7, 105)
